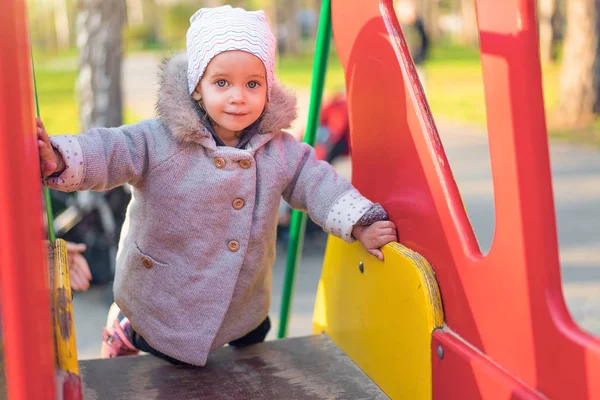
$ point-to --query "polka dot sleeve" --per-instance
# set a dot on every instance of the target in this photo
(345, 213)
(70, 149)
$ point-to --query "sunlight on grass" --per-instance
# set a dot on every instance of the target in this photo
(455, 84)
(550, 77)
(296, 72)
(56, 77)
(56, 91)
(455, 91)
(453, 79)
(55, 80)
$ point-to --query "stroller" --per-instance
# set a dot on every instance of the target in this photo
(95, 219)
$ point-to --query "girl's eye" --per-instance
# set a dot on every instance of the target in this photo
(252, 84)
(221, 83)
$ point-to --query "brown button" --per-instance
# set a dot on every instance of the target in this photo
(238, 204)
(245, 164)
(233, 245)
(146, 262)
(219, 162)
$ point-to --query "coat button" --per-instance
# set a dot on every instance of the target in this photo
(238, 204)
(219, 162)
(233, 245)
(245, 164)
(146, 262)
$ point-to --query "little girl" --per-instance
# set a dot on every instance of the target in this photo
(198, 243)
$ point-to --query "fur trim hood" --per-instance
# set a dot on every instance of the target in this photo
(178, 109)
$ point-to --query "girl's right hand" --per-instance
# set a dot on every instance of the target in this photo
(375, 236)
(50, 159)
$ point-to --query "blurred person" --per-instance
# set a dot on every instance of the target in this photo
(198, 243)
(307, 20)
(415, 34)
(333, 134)
(79, 270)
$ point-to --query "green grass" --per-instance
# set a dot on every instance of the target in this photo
(455, 84)
(55, 80)
(453, 73)
(454, 81)
(56, 91)
(455, 91)
(297, 72)
(589, 134)
(56, 75)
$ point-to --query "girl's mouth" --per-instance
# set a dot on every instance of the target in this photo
(238, 115)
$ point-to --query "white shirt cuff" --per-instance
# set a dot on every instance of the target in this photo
(70, 150)
(346, 211)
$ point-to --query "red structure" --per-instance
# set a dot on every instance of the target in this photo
(26, 320)
(508, 333)
(507, 324)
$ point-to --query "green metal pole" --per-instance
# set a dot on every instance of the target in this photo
(47, 198)
(298, 221)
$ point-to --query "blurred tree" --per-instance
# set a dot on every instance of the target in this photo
(99, 39)
(287, 26)
(580, 71)
(150, 35)
(547, 15)
(135, 12)
(61, 23)
(212, 3)
(430, 12)
(270, 8)
(470, 32)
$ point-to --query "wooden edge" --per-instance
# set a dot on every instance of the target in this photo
(428, 276)
(64, 324)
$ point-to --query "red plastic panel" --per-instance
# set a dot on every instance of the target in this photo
(509, 303)
(460, 372)
(26, 320)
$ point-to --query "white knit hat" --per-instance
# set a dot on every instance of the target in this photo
(215, 30)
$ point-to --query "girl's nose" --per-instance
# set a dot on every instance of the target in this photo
(236, 96)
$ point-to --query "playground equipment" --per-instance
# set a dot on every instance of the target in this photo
(379, 327)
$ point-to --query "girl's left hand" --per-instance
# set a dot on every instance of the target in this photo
(375, 236)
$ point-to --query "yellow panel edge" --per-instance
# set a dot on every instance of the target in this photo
(428, 276)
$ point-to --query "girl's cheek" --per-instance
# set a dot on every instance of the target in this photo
(260, 97)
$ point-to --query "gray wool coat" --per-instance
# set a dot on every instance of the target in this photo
(198, 244)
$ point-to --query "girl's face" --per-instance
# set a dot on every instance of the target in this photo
(233, 91)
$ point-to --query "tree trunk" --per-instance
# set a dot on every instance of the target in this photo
(287, 14)
(99, 39)
(270, 8)
(579, 79)
(470, 33)
(547, 10)
(429, 11)
(61, 23)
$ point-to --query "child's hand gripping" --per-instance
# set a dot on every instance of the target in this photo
(50, 159)
(375, 236)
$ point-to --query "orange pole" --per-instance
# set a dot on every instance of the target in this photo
(26, 317)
